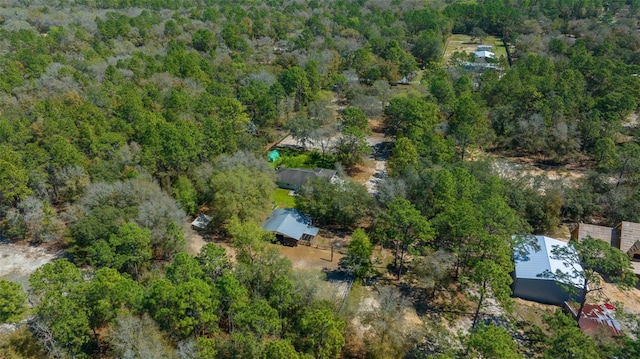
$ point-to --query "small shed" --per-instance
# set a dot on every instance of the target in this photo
(528, 280)
(201, 222)
(290, 226)
(484, 48)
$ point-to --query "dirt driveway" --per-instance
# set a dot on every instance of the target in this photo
(303, 257)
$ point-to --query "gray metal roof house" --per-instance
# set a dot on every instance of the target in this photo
(295, 178)
(290, 226)
(528, 282)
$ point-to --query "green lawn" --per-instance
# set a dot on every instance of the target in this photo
(298, 159)
(282, 199)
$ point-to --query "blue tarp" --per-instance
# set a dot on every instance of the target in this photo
(273, 156)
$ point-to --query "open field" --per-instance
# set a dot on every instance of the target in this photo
(463, 43)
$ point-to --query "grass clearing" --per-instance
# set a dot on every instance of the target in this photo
(463, 43)
(292, 158)
(282, 199)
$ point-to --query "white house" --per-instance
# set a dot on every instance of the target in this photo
(484, 55)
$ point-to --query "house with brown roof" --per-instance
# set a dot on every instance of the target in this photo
(625, 236)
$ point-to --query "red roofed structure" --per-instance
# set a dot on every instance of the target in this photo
(597, 319)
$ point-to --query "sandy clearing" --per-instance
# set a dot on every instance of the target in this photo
(372, 140)
(18, 261)
(368, 304)
(194, 240)
(311, 145)
(301, 257)
(511, 167)
(629, 298)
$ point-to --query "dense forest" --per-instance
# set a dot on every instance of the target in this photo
(121, 120)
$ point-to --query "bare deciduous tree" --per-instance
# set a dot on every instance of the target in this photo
(389, 336)
(139, 337)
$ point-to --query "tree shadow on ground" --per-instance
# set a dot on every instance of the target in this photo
(428, 302)
(337, 275)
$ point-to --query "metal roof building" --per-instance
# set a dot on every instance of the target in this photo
(201, 222)
(291, 225)
(528, 280)
(295, 178)
(484, 54)
(597, 319)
